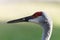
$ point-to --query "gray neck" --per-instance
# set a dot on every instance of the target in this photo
(47, 30)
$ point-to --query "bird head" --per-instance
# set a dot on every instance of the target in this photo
(37, 17)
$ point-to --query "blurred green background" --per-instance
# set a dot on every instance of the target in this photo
(27, 31)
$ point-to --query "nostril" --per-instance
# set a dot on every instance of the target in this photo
(23, 18)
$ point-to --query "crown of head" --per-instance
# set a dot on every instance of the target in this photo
(37, 14)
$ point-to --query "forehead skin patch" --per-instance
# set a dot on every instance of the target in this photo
(37, 14)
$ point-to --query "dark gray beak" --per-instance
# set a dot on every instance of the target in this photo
(25, 19)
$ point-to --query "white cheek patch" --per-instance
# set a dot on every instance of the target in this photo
(35, 20)
(39, 19)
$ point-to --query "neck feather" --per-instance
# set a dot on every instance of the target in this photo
(47, 30)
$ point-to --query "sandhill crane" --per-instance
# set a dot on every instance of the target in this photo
(39, 18)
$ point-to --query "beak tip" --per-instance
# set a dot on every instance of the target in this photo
(10, 22)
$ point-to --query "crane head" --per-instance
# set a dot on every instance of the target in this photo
(37, 17)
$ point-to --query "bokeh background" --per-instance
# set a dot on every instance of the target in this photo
(10, 10)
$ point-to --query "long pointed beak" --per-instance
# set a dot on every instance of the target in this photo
(25, 19)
